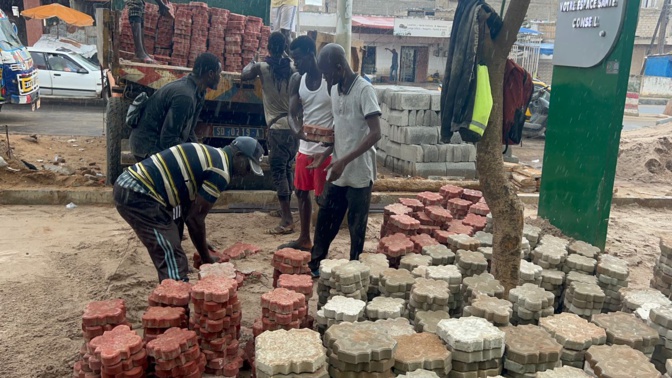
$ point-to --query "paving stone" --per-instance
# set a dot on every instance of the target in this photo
(470, 334)
(404, 222)
(462, 241)
(413, 203)
(619, 361)
(327, 266)
(381, 366)
(420, 373)
(351, 273)
(573, 332)
(480, 208)
(385, 308)
(241, 250)
(530, 346)
(422, 351)
(428, 321)
(496, 311)
(377, 263)
(531, 297)
(410, 262)
(290, 261)
(171, 293)
(530, 273)
(396, 327)
(532, 234)
(626, 329)
(100, 313)
(580, 264)
(396, 281)
(428, 294)
(322, 372)
(344, 309)
(116, 345)
(447, 273)
(550, 239)
(584, 249)
(471, 263)
(282, 301)
(525, 249)
(360, 342)
(487, 252)
(563, 372)
(482, 355)
(635, 298)
(335, 373)
(440, 254)
(395, 245)
(484, 238)
(438, 214)
(662, 316)
(484, 283)
(164, 317)
(552, 277)
(227, 270)
(549, 256)
(289, 352)
(584, 299)
(574, 276)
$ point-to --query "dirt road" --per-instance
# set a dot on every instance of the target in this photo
(53, 261)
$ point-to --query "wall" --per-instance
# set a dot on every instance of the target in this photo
(389, 8)
(538, 10)
(656, 86)
(33, 27)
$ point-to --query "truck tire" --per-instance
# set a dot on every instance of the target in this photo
(116, 130)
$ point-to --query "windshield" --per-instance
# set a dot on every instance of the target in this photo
(8, 39)
(83, 61)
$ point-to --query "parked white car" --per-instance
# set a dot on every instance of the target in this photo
(64, 73)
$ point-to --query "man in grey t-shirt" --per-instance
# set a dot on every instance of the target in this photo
(353, 167)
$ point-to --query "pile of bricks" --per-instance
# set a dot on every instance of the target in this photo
(318, 134)
(350, 280)
(660, 319)
(150, 24)
(476, 345)
(126, 42)
(530, 349)
(281, 309)
(164, 37)
(235, 29)
(410, 130)
(362, 349)
(396, 283)
(612, 276)
(385, 308)
(604, 361)
(451, 275)
(176, 353)
(119, 352)
(295, 353)
(377, 263)
(289, 261)
(428, 295)
(251, 38)
(217, 318)
(482, 284)
(98, 318)
(182, 36)
(440, 254)
(584, 299)
(340, 309)
(263, 42)
(575, 334)
(496, 311)
(171, 293)
(324, 283)
(200, 24)
(530, 303)
(157, 320)
(626, 329)
(219, 18)
(641, 301)
(422, 351)
(662, 271)
(428, 321)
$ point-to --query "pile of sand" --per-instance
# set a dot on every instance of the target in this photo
(645, 155)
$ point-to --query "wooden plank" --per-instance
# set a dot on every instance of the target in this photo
(523, 180)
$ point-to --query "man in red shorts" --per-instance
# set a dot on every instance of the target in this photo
(309, 104)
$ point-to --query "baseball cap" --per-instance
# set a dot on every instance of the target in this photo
(252, 150)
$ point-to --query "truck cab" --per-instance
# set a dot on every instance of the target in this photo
(18, 76)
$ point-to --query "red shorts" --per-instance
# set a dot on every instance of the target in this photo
(310, 179)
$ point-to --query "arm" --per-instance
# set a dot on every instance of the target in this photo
(174, 123)
(295, 107)
(319, 159)
(196, 225)
(251, 71)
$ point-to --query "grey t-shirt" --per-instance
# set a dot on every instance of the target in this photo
(350, 128)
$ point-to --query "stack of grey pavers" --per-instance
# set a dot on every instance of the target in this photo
(351, 280)
(530, 303)
(360, 349)
(428, 295)
(396, 283)
(572, 277)
(482, 284)
(662, 271)
(428, 321)
(377, 263)
(295, 353)
(485, 239)
(414, 260)
(410, 135)
(495, 310)
(660, 319)
(612, 276)
(471, 263)
(668, 369)
(324, 283)
(385, 308)
(553, 281)
(340, 309)
(440, 254)
(575, 334)
(476, 345)
(529, 273)
(642, 301)
(584, 299)
(452, 276)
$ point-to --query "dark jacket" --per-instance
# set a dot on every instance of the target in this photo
(169, 118)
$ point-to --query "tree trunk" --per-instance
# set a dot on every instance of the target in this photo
(506, 208)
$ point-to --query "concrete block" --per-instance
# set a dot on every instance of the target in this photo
(464, 153)
(427, 120)
(381, 157)
(429, 169)
(471, 151)
(398, 117)
(436, 101)
(466, 170)
(430, 153)
(456, 138)
(410, 100)
(435, 118)
(380, 93)
(420, 118)
(412, 152)
(412, 118)
(384, 127)
(384, 110)
(415, 135)
(394, 149)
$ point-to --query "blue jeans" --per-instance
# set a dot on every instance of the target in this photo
(393, 73)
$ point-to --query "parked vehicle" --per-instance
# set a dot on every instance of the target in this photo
(64, 73)
(537, 111)
(18, 76)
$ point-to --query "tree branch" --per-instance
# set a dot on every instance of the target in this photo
(515, 15)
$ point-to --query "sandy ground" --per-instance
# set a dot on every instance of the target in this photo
(54, 261)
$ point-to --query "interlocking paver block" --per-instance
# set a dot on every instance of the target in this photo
(462, 241)
(336, 373)
(472, 195)
(477, 222)
(470, 334)
(580, 263)
(420, 373)
(291, 257)
(471, 261)
(301, 283)
(532, 233)
(480, 208)
(456, 227)
(404, 222)
(549, 256)
(322, 372)
(615, 268)
(451, 191)
(413, 203)
(289, 352)
(396, 327)
(626, 329)
(396, 281)
(495, 310)
(344, 309)
(531, 297)
(662, 316)
(584, 298)
(447, 273)
(327, 266)
(397, 209)
(438, 214)
(395, 245)
(172, 343)
(574, 276)
(563, 372)
(214, 289)
(573, 332)
(360, 342)
(552, 277)
(530, 344)
(171, 293)
(115, 345)
(351, 273)
(485, 238)
(385, 308)
(430, 198)
(421, 351)
(440, 254)
(530, 272)
(241, 250)
(227, 270)
(381, 366)
(410, 262)
(421, 241)
(584, 249)
(428, 321)
(101, 313)
(164, 317)
(484, 283)
(619, 361)
(283, 301)
(428, 291)
(635, 298)
(550, 239)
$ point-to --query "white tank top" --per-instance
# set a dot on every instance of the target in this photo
(316, 111)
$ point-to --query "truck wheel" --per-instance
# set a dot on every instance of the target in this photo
(116, 130)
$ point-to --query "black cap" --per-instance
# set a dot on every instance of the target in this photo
(252, 150)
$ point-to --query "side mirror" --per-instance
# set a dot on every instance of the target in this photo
(82, 71)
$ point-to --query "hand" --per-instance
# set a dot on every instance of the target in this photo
(318, 160)
(208, 259)
(337, 167)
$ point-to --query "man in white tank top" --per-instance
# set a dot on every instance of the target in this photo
(309, 104)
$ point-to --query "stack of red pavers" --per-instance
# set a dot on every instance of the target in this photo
(176, 354)
(289, 261)
(217, 318)
(281, 309)
(233, 51)
(171, 293)
(251, 38)
(302, 284)
(164, 38)
(98, 317)
(126, 43)
(219, 18)
(319, 134)
(150, 25)
(157, 320)
(199, 30)
(121, 353)
(390, 210)
(181, 36)
(263, 42)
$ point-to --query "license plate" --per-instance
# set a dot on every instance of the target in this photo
(234, 132)
(35, 105)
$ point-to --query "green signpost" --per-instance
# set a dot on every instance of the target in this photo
(592, 55)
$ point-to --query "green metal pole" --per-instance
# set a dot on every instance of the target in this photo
(501, 11)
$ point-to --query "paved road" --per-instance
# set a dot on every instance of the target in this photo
(55, 118)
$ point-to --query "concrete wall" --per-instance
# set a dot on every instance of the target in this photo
(656, 86)
(389, 8)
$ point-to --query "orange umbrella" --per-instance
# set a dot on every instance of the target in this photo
(67, 15)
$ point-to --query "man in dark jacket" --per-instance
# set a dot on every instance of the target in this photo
(170, 115)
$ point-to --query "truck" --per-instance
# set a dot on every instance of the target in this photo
(234, 109)
(18, 76)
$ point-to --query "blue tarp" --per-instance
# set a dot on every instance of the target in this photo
(659, 65)
(528, 31)
(546, 49)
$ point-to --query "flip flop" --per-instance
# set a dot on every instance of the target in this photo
(280, 230)
(294, 245)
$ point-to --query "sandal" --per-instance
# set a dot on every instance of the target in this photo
(294, 245)
(281, 230)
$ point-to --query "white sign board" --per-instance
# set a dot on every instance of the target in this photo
(420, 27)
(314, 2)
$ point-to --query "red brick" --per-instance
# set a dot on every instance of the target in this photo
(424, 218)
(451, 191)
(395, 245)
(413, 203)
(477, 222)
(283, 301)
(115, 345)
(430, 198)
(429, 230)
(480, 208)
(471, 195)
(301, 283)
(438, 214)
(421, 241)
(404, 222)
(171, 293)
(290, 256)
(214, 289)
(164, 317)
(457, 227)
(172, 344)
(241, 250)
(104, 312)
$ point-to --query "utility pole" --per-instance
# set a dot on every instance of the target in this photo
(662, 32)
(344, 26)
